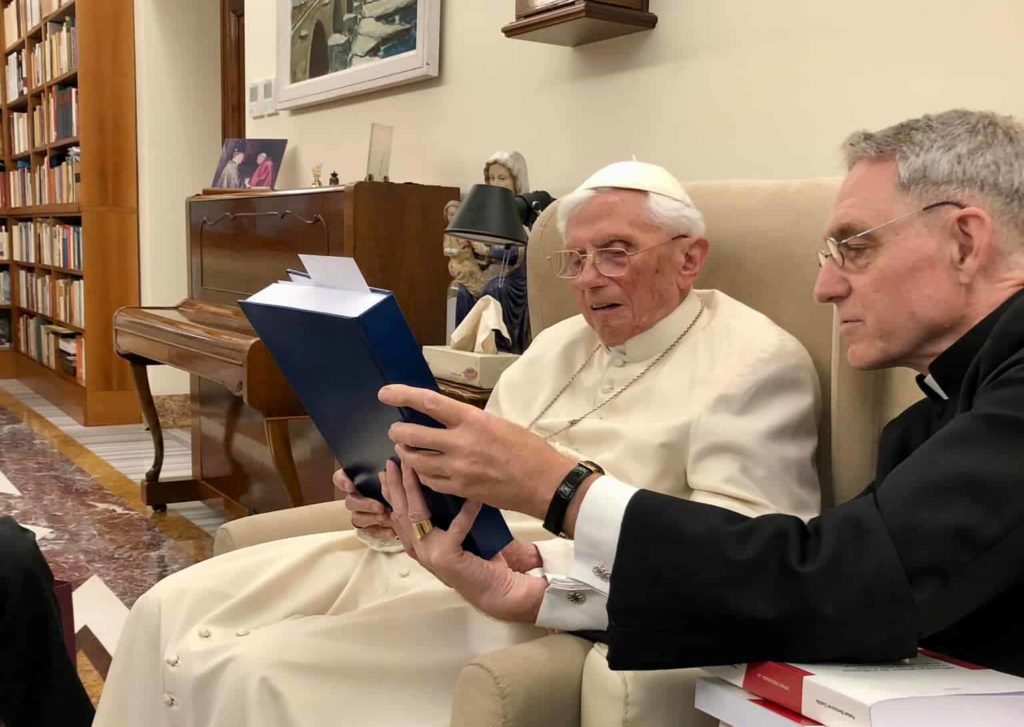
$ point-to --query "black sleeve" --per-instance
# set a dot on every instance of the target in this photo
(942, 535)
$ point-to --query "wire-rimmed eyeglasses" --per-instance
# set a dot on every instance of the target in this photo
(835, 249)
(612, 262)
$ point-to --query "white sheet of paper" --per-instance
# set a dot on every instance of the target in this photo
(329, 271)
(297, 279)
(347, 303)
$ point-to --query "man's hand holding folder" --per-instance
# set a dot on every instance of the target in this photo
(337, 341)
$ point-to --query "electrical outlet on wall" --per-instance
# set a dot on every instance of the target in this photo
(269, 96)
(255, 102)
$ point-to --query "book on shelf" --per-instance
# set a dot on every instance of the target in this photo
(928, 690)
(337, 341)
(5, 329)
(5, 287)
(11, 25)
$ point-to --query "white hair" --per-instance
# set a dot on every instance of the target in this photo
(673, 216)
(967, 156)
(515, 163)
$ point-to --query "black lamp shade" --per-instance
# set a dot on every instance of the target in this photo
(488, 214)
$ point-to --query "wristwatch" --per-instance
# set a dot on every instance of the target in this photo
(555, 518)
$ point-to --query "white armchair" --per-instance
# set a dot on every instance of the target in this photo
(763, 238)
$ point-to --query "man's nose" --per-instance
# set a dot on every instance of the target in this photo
(589, 274)
(830, 285)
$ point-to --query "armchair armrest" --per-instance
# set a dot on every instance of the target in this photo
(533, 683)
(322, 517)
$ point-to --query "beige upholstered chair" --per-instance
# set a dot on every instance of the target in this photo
(763, 238)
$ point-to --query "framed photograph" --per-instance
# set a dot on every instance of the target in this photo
(249, 163)
(327, 49)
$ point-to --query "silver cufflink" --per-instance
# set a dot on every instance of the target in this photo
(602, 571)
(576, 597)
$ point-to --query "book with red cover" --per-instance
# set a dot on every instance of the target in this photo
(740, 708)
(928, 690)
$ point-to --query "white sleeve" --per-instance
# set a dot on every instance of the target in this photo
(579, 572)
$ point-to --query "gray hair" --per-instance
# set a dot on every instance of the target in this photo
(515, 163)
(673, 216)
(975, 155)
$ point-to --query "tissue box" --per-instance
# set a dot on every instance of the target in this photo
(466, 367)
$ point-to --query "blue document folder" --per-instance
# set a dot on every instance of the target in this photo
(337, 348)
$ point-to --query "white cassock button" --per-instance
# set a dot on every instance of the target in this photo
(576, 597)
(172, 660)
(404, 573)
(618, 362)
(607, 389)
(602, 571)
(204, 633)
(242, 632)
(169, 700)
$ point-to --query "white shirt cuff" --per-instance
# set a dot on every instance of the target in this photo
(579, 601)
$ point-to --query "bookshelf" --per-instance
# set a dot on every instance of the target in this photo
(69, 253)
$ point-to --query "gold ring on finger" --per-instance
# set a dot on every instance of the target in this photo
(422, 527)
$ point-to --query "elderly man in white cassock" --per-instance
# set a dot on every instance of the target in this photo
(688, 391)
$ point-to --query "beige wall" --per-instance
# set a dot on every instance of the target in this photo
(719, 90)
(178, 78)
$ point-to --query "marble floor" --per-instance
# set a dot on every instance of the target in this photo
(77, 488)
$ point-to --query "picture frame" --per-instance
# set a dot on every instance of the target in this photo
(329, 49)
(248, 164)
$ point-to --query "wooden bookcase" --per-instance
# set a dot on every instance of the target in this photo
(105, 203)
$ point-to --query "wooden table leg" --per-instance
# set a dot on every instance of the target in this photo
(141, 376)
(280, 444)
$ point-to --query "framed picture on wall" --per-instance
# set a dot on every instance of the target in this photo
(327, 49)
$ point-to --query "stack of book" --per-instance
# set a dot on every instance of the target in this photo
(60, 244)
(928, 690)
(63, 113)
(58, 180)
(16, 80)
(61, 54)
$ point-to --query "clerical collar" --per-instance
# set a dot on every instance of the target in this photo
(659, 336)
(946, 373)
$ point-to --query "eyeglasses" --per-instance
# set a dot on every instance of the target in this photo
(840, 257)
(612, 262)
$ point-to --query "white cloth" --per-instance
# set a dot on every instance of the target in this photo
(313, 630)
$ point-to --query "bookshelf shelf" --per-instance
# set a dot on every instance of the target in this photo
(46, 210)
(70, 76)
(96, 167)
(68, 8)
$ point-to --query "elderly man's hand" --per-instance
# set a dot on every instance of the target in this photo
(491, 585)
(478, 456)
(368, 515)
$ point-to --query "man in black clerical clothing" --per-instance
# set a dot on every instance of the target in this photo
(923, 259)
(38, 683)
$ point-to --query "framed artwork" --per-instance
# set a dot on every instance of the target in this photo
(327, 49)
(249, 163)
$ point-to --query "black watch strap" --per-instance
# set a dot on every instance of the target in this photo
(555, 518)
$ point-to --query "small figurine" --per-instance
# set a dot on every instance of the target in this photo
(317, 171)
(333, 180)
(463, 265)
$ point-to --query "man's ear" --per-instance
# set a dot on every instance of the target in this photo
(975, 243)
(692, 259)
